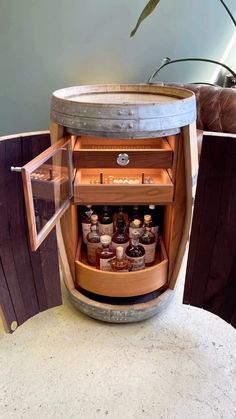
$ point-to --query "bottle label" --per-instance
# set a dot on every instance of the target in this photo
(155, 230)
(105, 264)
(91, 252)
(124, 245)
(85, 230)
(106, 228)
(132, 230)
(137, 263)
(150, 250)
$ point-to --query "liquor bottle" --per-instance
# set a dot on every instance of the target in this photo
(105, 254)
(134, 226)
(148, 241)
(135, 253)
(120, 237)
(93, 240)
(105, 223)
(120, 213)
(120, 263)
(86, 222)
(152, 210)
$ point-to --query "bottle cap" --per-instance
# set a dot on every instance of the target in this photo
(119, 252)
(136, 222)
(94, 218)
(147, 218)
(88, 206)
(105, 239)
(152, 207)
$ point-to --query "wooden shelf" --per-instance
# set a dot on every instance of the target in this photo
(103, 152)
(159, 192)
(122, 284)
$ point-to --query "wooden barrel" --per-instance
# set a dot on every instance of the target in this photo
(123, 111)
(155, 126)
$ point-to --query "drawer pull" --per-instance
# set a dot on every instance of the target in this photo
(122, 159)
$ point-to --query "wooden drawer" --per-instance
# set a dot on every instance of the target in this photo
(87, 188)
(122, 284)
(101, 152)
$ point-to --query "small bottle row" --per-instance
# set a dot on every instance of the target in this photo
(118, 242)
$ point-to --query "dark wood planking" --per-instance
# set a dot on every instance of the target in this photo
(29, 282)
(210, 277)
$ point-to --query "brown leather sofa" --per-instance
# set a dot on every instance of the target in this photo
(216, 108)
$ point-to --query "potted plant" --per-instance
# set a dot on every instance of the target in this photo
(148, 9)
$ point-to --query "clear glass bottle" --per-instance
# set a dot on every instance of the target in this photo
(135, 253)
(120, 237)
(148, 241)
(105, 254)
(86, 222)
(120, 263)
(135, 216)
(93, 240)
(152, 210)
(105, 222)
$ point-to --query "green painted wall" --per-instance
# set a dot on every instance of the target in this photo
(49, 44)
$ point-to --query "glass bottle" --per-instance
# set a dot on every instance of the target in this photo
(148, 241)
(155, 221)
(135, 253)
(86, 222)
(93, 240)
(120, 237)
(120, 213)
(120, 263)
(133, 226)
(105, 223)
(105, 254)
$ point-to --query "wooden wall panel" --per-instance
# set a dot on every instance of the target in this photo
(211, 270)
(29, 282)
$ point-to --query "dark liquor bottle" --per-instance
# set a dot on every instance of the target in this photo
(152, 210)
(105, 254)
(120, 263)
(119, 214)
(136, 253)
(148, 241)
(120, 237)
(93, 240)
(134, 226)
(86, 222)
(105, 222)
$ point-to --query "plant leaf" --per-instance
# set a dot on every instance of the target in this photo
(148, 9)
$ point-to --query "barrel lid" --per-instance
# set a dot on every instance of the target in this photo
(123, 111)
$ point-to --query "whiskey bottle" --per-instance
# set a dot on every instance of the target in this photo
(105, 223)
(148, 241)
(120, 237)
(93, 240)
(119, 214)
(86, 222)
(120, 263)
(152, 210)
(134, 226)
(105, 254)
(136, 253)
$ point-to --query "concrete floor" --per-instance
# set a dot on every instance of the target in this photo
(62, 364)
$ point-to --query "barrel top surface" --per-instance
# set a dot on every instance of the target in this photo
(128, 110)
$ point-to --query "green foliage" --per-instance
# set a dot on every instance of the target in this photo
(148, 9)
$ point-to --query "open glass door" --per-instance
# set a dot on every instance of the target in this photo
(47, 182)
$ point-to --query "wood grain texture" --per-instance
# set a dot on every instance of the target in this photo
(29, 283)
(112, 283)
(210, 278)
(94, 152)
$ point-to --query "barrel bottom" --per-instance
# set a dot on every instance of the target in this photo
(122, 312)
